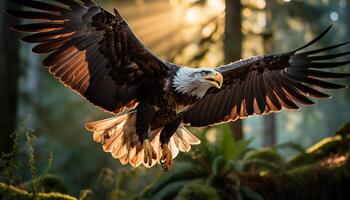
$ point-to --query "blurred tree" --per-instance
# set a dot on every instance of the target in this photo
(233, 47)
(269, 121)
(9, 70)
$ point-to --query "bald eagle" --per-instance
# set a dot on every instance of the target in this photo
(95, 53)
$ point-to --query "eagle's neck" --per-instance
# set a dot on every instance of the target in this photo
(186, 83)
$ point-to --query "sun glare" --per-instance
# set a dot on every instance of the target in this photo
(218, 5)
(192, 15)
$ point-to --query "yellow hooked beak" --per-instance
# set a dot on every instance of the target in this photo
(216, 79)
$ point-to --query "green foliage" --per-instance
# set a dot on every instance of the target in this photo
(228, 147)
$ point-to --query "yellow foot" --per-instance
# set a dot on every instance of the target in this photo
(167, 158)
(149, 153)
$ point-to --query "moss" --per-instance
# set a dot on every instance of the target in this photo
(306, 182)
(263, 159)
(328, 147)
(47, 183)
(266, 154)
(297, 171)
(198, 191)
(344, 131)
(301, 159)
(226, 186)
(14, 193)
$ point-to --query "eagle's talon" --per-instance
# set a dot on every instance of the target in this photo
(167, 158)
(149, 153)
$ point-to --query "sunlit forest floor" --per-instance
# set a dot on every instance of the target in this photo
(225, 169)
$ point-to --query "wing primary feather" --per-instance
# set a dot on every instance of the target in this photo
(38, 27)
(328, 64)
(49, 46)
(317, 73)
(261, 92)
(250, 93)
(316, 82)
(324, 49)
(287, 103)
(40, 5)
(328, 57)
(314, 40)
(47, 36)
(71, 3)
(271, 95)
(330, 75)
(306, 89)
(35, 15)
(293, 93)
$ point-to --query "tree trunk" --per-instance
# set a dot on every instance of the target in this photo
(348, 32)
(32, 87)
(9, 70)
(233, 47)
(269, 121)
(269, 131)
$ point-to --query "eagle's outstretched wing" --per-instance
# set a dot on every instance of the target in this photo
(91, 50)
(265, 84)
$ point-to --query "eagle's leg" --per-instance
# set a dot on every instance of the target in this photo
(168, 131)
(144, 117)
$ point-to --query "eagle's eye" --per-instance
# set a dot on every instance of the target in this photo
(204, 73)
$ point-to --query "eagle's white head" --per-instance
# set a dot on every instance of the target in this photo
(196, 81)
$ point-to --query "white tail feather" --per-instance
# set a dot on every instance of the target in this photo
(118, 137)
